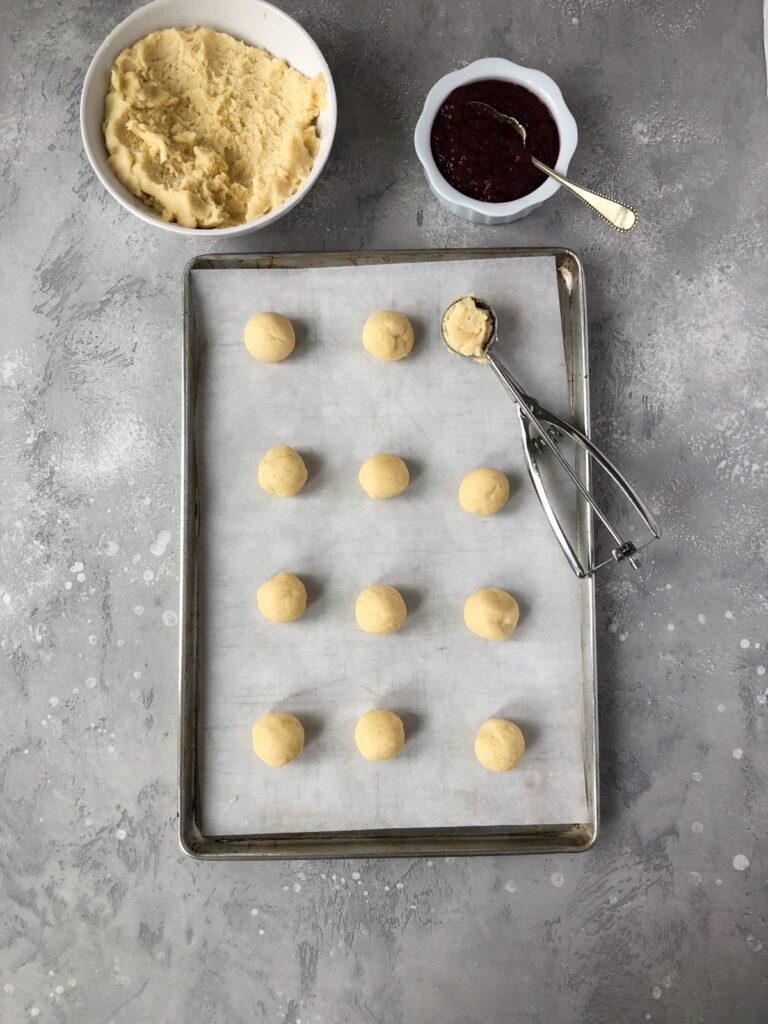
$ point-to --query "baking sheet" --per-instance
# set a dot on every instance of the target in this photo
(444, 415)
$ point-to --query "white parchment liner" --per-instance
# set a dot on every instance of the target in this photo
(336, 405)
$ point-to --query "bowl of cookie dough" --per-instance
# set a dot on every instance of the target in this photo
(208, 118)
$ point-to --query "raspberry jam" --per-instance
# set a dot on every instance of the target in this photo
(483, 157)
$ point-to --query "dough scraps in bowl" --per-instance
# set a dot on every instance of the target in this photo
(208, 131)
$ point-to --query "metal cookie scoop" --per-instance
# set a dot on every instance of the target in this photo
(548, 430)
(618, 215)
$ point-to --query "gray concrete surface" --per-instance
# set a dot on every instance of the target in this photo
(103, 919)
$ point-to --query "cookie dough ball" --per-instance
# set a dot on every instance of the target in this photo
(282, 471)
(499, 745)
(491, 613)
(283, 598)
(379, 735)
(380, 609)
(388, 335)
(484, 491)
(269, 337)
(278, 738)
(384, 476)
(467, 327)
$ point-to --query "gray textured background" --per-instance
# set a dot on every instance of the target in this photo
(102, 918)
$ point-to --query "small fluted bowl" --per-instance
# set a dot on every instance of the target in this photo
(540, 85)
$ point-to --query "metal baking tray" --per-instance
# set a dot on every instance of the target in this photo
(568, 836)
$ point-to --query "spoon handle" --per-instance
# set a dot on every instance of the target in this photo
(618, 215)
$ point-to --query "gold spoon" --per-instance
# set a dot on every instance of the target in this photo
(618, 215)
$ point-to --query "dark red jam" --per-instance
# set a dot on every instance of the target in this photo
(483, 157)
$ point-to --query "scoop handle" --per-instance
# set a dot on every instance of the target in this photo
(618, 215)
(550, 428)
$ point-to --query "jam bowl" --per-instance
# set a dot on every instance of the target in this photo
(442, 158)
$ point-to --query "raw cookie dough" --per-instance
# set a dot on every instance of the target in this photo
(379, 734)
(278, 738)
(491, 613)
(484, 491)
(499, 745)
(380, 609)
(467, 328)
(269, 337)
(208, 131)
(388, 335)
(282, 598)
(282, 471)
(384, 476)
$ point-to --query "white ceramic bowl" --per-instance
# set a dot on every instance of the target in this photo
(255, 22)
(535, 81)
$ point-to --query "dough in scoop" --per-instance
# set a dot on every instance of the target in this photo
(491, 613)
(269, 337)
(484, 491)
(282, 598)
(278, 738)
(380, 609)
(384, 476)
(282, 471)
(467, 328)
(379, 735)
(388, 335)
(499, 745)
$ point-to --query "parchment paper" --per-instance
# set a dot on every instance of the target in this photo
(444, 415)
